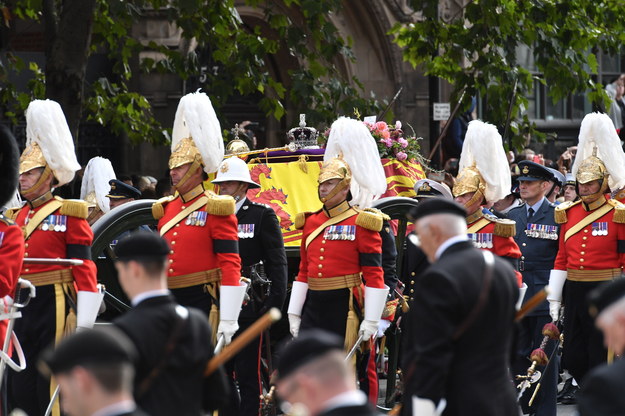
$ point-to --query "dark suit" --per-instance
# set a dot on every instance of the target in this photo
(363, 410)
(470, 372)
(263, 243)
(538, 253)
(603, 391)
(179, 388)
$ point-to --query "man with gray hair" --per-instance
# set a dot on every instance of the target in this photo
(459, 329)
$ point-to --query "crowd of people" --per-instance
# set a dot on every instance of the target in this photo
(505, 254)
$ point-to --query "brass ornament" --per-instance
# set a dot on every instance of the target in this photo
(32, 158)
(335, 168)
(591, 169)
(526, 170)
(185, 152)
(469, 180)
(224, 167)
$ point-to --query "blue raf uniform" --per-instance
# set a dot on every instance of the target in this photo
(537, 237)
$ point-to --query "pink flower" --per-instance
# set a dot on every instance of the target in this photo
(403, 142)
(398, 124)
(386, 134)
(388, 142)
(401, 156)
(381, 126)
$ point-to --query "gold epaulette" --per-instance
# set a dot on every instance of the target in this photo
(370, 220)
(11, 213)
(300, 219)
(619, 211)
(158, 208)
(503, 227)
(6, 220)
(74, 208)
(220, 204)
(560, 211)
(377, 211)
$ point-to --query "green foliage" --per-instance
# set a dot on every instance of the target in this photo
(238, 54)
(476, 51)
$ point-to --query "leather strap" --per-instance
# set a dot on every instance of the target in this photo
(41, 215)
(489, 265)
(483, 222)
(589, 219)
(330, 221)
(183, 214)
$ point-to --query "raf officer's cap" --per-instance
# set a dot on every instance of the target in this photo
(142, 245)
(101, 347)
(531, 171)
(308, 346)
(121, 190)
(437, 205)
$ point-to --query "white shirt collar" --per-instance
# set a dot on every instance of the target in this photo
(149, 294)
(239, 204)
(118, 408)
(348, 398)
(449, 242)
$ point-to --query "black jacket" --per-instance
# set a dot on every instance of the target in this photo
(179, 388)
(263, 244)
(603, 391)
(363, 410)
(470, 372)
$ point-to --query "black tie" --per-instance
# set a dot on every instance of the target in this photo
(530, 213)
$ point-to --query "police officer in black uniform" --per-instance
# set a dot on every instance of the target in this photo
(537, 237)
(263, 259)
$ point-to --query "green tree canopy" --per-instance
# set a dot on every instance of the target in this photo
(475, 50)
(73, 29)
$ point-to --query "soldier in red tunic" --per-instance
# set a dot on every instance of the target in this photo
(53, 228)
(485, 178)
(200, 226)
(592, 242)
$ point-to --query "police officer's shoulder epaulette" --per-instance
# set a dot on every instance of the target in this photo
(300, 219)
(560, 211)
(377, 211)
(6, 220)
(619, 211)
(11, 213)
(220, 205)
(158, 208)
(74, 208)
(503, 227)
(370, 219)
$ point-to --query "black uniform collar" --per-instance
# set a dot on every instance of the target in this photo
(336, 210)
(594, 205)
(193, 193)
(475, 216)
(39, 201)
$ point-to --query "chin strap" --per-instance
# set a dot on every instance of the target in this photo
(194, 165)
(588, 199)
(339, 186)
(477, 196)
(44, 176)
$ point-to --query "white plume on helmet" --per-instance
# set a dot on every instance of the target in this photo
(98, 173)
(597, 130)
(352, 140)
(46, 126)
(483, 148)
(196, 118)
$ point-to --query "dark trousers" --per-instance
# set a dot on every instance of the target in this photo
(583, 342)
(326, 309)
(29, 390)
(529, 337)
(195, 297)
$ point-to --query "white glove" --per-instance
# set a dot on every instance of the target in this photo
(227, 329)
(87, 305)
(383, 326)
(522, 291)
(368, 329)
(426, 407)
(294, 323)
(554, 309)
(230, 300)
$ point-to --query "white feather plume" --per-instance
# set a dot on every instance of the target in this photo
(196, 118)
(98, 173)
(46, 126)
(353, 140)
(483, 148)
(598, 130)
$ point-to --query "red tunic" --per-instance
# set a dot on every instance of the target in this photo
(327, 257)
(11, 255)
(585, 251)
(77, 237)
(209, 242)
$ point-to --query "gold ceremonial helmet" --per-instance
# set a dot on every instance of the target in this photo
(185, 152)
(469, 180)
(335, 168)
(591, 169)
(32, 158)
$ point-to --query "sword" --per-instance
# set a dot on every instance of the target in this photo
(55, 396)
(220, 344)
(61, 262)
(354, 348)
